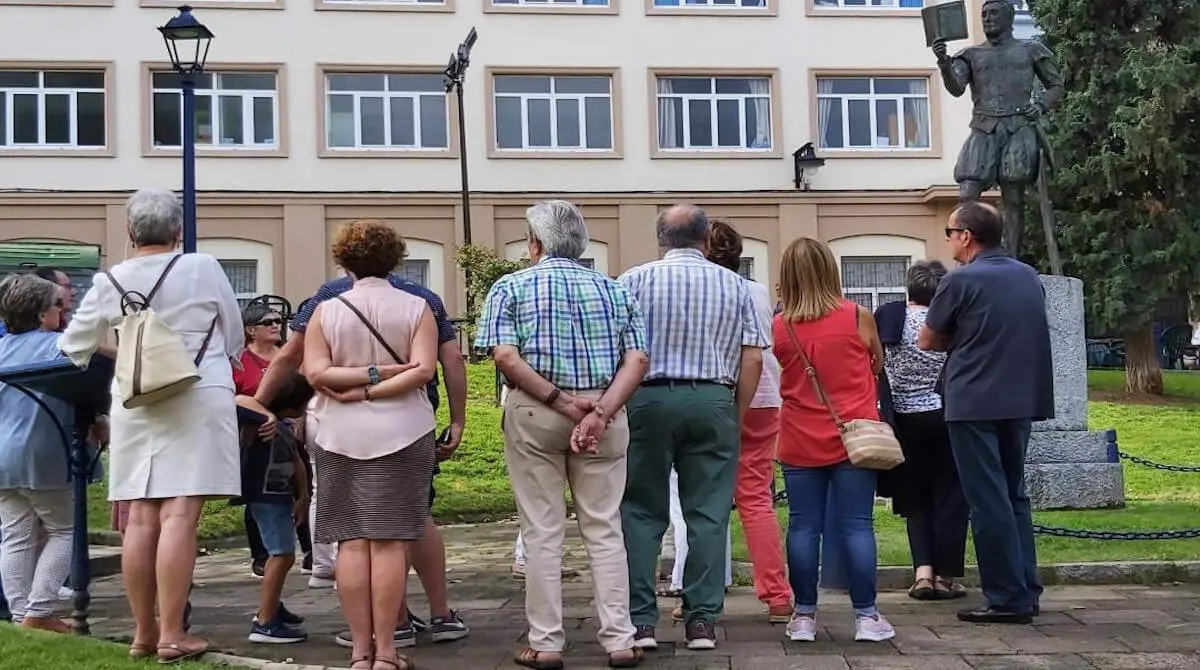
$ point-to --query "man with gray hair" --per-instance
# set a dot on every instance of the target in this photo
(706, 341)
(572, 344)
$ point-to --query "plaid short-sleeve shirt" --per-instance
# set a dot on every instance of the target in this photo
(571, 324)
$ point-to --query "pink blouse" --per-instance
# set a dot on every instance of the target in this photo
(370, 429)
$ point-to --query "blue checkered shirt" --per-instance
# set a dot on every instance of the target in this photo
(698, 315)
(335, 287)
(572, 325)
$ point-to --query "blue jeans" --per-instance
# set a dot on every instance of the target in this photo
(990, 456)
(852, 492)
(275, 526)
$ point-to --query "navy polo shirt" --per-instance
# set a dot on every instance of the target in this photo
(993, 312)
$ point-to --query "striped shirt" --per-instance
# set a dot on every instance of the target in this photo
(699, 315)
(572, 325)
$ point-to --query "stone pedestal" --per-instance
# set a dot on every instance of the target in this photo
(1069, 466)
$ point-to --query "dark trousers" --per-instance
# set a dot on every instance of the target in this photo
(990, 456)
(258, 553)
(934, 505)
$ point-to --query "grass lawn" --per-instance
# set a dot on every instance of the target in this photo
(26, 649)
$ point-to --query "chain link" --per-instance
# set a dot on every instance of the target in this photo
(1116, 535)
(1157, 466)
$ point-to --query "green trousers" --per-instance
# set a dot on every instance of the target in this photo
(694, 428)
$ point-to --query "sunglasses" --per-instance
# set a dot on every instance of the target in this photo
(950, 231)
(271, 322)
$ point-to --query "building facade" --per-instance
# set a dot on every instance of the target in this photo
(313, 112)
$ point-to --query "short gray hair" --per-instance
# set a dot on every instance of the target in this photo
(155, 217)
(687, 233)
(23, 300)
(559, 226)
(922, 279)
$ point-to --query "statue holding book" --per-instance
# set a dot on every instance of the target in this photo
(1007, 145)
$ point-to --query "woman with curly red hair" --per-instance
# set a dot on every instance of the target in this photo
(369, 352)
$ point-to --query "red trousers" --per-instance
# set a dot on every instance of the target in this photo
(756, 508)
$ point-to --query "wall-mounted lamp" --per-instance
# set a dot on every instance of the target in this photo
(806, 163)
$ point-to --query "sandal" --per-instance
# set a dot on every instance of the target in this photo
(923, 589)
(140, 651)
(169, 654)
(630, 662)
(948, 589)
(531, 658)
(409, 664)
(667, 592)
(361, 659)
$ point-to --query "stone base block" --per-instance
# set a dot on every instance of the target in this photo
(1072, 446)
(1075, 485)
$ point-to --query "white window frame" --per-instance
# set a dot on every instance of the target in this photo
(872, 98)
(8, 126)
(713, 98)
(871, 5)
(388, 96)
(710, 5)
(216, 92)
(553, 97)
(874, 291)
(551, 3)
(407, 3)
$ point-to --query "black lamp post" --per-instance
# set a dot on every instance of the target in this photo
(806, 163)
(187, 43)
(455, 73)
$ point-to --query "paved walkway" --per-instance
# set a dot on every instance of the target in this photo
(1110, 628)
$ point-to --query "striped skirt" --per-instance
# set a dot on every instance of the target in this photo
(385, 498)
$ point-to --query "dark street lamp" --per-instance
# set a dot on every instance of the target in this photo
(805, 164)
(455, 73)
(187, 43)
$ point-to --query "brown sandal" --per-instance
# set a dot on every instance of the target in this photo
(140, 651)
(631, 662)
(361, 659)
(169, 654)
(923, 589)
(532, 658)
(409, 664)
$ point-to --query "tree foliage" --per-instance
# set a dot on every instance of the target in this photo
(484, 267)
(1127, 148)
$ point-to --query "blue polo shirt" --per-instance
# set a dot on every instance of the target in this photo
(332, 289)
(993, 310)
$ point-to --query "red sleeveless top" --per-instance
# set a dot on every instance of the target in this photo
(808, 436)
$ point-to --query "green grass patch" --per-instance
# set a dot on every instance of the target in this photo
(30, 649)
(1178, 384)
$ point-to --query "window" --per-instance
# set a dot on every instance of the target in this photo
(234, 110)
(415, 270)
(870, 4)
(888, 113)
(714, 113)
(430, 3)
(52, 109)
(551, 3)
(589, 263)
(243, 276)
(373, 111)
(872, 281)
(711, 4)
(746, 268)
(568, 113)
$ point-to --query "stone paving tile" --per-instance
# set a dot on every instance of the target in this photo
(1109, 627)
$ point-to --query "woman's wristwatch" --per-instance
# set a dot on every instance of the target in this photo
(373, 375)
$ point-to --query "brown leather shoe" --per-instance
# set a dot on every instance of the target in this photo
(779, 614)
(51, 624)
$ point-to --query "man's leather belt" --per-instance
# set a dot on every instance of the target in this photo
(664, 381)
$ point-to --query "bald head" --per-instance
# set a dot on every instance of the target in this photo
(682, 227)
(983, 220)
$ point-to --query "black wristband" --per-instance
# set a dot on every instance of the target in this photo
(554, 395)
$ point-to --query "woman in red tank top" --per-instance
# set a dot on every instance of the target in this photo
(840, 339)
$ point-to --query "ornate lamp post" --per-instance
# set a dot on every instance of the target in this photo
(187, 43)
(455, 73)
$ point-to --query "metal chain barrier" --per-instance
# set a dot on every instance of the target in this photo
(1157, 466)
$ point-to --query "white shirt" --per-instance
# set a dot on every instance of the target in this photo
(768, 386)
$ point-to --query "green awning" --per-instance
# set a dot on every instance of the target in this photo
(43, 253)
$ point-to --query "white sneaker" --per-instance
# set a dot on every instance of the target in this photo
(802, 628)
(873, 629)
(315, 582)
(65, 593)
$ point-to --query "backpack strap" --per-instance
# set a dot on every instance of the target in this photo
(132, 301)
(204, 345)
(162, 277)
(375, 333)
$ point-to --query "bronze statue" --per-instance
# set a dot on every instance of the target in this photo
(1007, 146)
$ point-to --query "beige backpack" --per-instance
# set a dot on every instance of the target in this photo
(152, 361)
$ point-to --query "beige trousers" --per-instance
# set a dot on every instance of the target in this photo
(537, 443)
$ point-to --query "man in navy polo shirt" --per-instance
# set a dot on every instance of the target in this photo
(990, 314)
(428, 556)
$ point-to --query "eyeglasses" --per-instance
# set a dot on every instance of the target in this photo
(271, 322)
(950, 231)
(59, 304)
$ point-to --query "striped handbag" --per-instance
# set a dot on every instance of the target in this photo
(869, 444)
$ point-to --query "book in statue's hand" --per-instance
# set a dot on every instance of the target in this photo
(946, 21)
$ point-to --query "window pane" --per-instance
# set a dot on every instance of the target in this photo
(567, 112)
(415, 270)
(356, 82)
(514, 84)
(168, 113)
(416, 83)
(916, 123)
(3, 119)
(231, 120)
(853, 86)
(25, 119)
(700, 123)
(404, 130)
(18, 79)
(829, 123)
(860, 123)
(165, 80)
(264, 121)
(726, 85)
(539, 122)
(576, 85)
(729, 123)
(204, 119)
(758, 123)
(746, 268)
(58, 119)
(887, 123)
(689, 85)
(508, 123)
(370, 114)
(670, 123)
(243, 277)
(74, 79)
(598, 116)
(884, 272)
(341, 121)
(89, 120)
(434, 134)
(251, 82)
(902, 86)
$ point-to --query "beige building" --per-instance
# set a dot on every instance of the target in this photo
(318, 111)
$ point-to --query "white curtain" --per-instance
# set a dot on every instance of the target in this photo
(762, 113)
(824, 110)
(916, 116)
(667, 128)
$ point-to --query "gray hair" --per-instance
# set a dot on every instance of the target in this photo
(682, 227)
(559, 226)
(922, 279)
(23, 300)
(155, 217)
